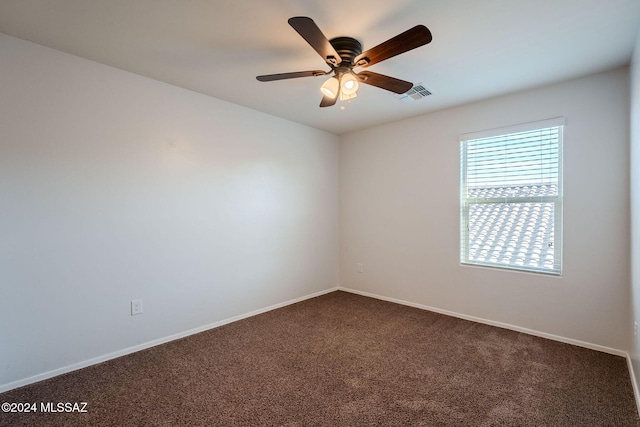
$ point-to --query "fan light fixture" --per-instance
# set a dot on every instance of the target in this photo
(345, 86)
(349, 84)
(330, 87)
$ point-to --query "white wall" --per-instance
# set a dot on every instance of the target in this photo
(399, 214)
(115, 187)
(634, 353)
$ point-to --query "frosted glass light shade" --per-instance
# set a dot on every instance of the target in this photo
(349, 84)
(345, 97)
(331, 87)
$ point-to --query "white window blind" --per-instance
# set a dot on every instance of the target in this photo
(511, 197)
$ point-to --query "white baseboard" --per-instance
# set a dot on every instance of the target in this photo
(634, 383)
(73, 367)
(123, 352)
(492, 323)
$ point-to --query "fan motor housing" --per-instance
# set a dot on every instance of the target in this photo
(347, 47)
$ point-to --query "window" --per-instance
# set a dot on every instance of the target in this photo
(511, 197)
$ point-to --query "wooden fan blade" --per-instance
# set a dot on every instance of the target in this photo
(282, 76)
(404, 42)
(327, 101)
(384, 82)
(312, 34)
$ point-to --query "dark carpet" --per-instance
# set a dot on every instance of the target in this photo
(344, 360)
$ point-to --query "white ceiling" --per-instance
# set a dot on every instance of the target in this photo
(480, 48)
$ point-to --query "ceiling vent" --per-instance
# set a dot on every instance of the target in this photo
(419, 91)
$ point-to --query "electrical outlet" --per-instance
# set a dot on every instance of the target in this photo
(136, 307)
(360, 267)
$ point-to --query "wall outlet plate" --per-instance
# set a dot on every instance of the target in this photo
(136, 307)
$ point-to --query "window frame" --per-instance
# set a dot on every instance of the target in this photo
(557, 200)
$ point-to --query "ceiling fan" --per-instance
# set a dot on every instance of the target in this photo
(343, 54)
